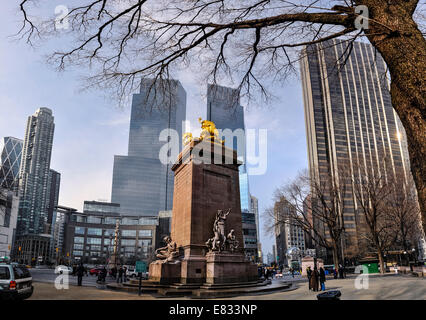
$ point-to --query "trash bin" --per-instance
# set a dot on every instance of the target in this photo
(329, 295)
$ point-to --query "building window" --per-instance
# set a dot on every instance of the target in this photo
(130, 222)
(94, 240)
(92, 219)
(128, 242)
(78, 240)
(148, 221)
(94, 231)
(145, 233)
(144, 243)
(78, 246)
(128, 233)
(79, 230)
(77, 253)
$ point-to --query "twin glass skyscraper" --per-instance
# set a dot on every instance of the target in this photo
(141, 184)
(349, 118)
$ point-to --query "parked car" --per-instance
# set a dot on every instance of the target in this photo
(15, 281)
(63, 269)
(131, 273)
(95, 271)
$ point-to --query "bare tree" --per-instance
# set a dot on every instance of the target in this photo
(321, 216)
(403, 214)
(372, 189)
(126, 40)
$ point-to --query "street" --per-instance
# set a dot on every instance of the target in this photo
(387, 287)
(49, 276)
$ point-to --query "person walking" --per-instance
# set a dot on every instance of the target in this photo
(322, 279)
(292, 272)
(314, 279)
(120, 275)
(81, 270)
(335, 273)
(309, 274)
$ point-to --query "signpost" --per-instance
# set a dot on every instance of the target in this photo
(140, 268)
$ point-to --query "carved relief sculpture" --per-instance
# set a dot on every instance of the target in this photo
(168, 253)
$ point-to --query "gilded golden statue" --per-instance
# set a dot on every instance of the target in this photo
(208, 132)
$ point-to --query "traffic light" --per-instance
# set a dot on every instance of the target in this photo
(19, 248)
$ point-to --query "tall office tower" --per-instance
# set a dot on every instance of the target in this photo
(53, 186)
(10, 160)
(224, 109)
(34, 173)
(349, 119)
(141, 183)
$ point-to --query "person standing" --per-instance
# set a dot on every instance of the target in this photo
(314, 279)
(81, 270)
(340, 271)
(309, 274)
(322, 279)
(125, 274)
(120, 275)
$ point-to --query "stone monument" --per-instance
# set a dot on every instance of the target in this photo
(206, 221)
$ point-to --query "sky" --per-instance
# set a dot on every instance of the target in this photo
(90, 129)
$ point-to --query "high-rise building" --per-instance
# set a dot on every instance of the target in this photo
(224, 109)
(141, 183)
(255, 209)
(34, 173)
(60, 220)
(8, 217)
(10, 161)
(349, 119)
(287, 235)
(53, 186)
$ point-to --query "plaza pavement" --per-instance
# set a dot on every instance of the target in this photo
(387, 287)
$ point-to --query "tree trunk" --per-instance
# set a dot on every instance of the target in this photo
(335, 256)
(404, 50)
(381, 261)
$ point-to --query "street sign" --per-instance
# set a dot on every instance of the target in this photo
(140, 266)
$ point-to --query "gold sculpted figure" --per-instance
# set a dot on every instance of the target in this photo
(208, 132)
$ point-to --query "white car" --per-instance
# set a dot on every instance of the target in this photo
(63, 269)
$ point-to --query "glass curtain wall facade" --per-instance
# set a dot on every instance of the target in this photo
(224, 109)
(34, 173)
(10, 161)
(141, 184)
(349, 118)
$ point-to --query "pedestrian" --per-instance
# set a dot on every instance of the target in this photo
(103, 274)
(340, 271)
(314, 279)
(322, 279)
(125, 274)
(81, 270)
(335, 273)
(292, 272)
(120, 275)
(114, 272)
(309, 274)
